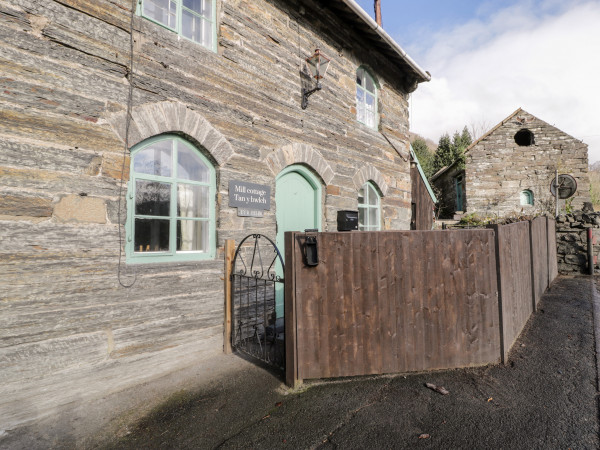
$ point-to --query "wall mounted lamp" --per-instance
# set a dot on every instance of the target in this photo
(318, 65)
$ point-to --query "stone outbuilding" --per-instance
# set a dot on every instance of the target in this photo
(510, 168)
(124, 137)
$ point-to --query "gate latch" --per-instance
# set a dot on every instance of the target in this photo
(311, 251)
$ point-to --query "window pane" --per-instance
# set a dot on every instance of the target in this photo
(194, 5)
(374, 217)
(361, 196)
(207, 8)
(151, 235)
(152, 198)
(190, 166)
(154, 159)
(207, 34)
(369, 85)
(360, 95)
(192, 235)
(370, 110)
(192, 201)
(163, 11)
(191, 26)
(360, 114)
(203, 7)
(373, 198)
(361, 216)
(359, 77)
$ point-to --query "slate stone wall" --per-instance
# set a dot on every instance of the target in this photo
(497, 169)
(73, 322)
(571, 241)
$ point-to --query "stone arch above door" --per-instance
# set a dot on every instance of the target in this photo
(366, 173)
(297, 153)
(152, 119)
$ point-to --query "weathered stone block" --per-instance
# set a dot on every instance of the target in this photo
(576, 259)
(22, 205)
(115, 166)
(78, 209)
(333, 190)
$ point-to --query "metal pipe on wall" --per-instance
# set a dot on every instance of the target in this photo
(590, 251)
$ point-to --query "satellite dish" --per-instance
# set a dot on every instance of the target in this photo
(567, 186)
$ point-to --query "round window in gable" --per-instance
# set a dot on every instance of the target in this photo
(524, 138)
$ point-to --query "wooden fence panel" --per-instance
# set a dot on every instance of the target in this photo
(514, 279)
(540, 260)
(552, 258)
(385, 302)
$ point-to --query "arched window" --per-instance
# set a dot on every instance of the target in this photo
(171, 202)
(369, 209)
(526, 197)
(366, 98)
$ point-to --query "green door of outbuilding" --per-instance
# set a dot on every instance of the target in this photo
(298, 203)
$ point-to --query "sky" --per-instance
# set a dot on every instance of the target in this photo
(489, 57)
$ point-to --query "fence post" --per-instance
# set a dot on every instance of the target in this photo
(292, 378)
(496, 229)
(533, 276)
(228, 259)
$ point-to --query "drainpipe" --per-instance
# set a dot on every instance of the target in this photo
(590, 251)
(386, 37)
(378, 12)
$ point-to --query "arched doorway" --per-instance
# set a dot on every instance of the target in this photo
(298, 203)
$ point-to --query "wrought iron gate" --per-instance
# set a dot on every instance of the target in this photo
(257, 295)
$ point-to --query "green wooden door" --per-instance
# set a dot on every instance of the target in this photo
(298, 203)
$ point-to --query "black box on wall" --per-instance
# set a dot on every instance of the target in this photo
(347, 220)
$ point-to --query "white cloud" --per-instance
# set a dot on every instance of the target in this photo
(531, 55)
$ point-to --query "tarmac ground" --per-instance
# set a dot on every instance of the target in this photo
(545, 397)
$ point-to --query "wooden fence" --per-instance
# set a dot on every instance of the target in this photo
(387, 302)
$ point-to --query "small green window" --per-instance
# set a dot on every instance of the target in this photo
(192, 19)
(526, 197)
(171, 202)
(366, 98)
(369, 210)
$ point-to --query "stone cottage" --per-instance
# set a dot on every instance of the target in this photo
(123, 129)
(509, 170)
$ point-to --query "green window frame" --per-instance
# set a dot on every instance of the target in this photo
(366, 98)
(170, 203)
(369, 208)
(194, 20)
(526, 197)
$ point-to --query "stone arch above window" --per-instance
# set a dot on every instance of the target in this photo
(370, 173)
(297, 153)
(153, 119)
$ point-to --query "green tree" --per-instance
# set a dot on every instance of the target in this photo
(465, 137)
(451, 150)
(444, 155)
(424, 155)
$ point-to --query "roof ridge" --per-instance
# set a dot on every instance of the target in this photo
(517, 111)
